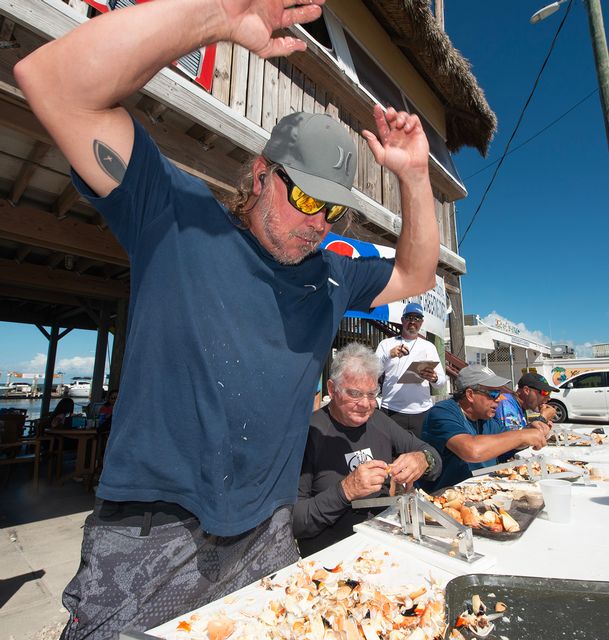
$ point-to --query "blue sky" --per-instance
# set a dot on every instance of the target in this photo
(537, 250)
(536, 253)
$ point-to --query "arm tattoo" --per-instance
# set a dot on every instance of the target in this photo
(109, 161)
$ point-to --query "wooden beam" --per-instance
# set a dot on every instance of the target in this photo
(39, 150)
(21, 119)
(23, 253)
(39, 295)
(29, 275)
(38, 228)
(66, 200)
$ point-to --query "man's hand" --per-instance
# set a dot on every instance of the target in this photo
(409, 467)
(541, 426)
(429, 374)
(401, 145)
(251, 23)
(366, 479)
(399, 351)
(534, 437)
(547, 411)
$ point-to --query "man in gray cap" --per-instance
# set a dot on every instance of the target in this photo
(464, 431)
(201, 475)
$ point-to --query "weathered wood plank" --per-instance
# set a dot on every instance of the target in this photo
(270, 95)
(220, 87)
(285, 83)
(296, 90)
(238, 80)
(308, 97)
(255, 82)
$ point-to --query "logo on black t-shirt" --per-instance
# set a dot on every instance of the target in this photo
(356, 458)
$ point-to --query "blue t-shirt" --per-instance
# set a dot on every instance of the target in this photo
(510, 413)
(224, 350)
(445, 420)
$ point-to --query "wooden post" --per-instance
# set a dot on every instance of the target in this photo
(118, 347)
(100, 354)
(53, 339)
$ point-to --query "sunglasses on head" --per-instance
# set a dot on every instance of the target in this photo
(308, 204)
(493, 394)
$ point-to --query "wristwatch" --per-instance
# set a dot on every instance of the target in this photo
(540, 418)
(431, 461)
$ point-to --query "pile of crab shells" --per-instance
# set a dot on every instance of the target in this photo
(487, 515)
(317, 603)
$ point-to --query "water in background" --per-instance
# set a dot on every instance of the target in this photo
(33, 406)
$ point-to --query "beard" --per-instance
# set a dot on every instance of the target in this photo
(278, 239)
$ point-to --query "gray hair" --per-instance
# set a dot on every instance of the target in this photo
(357, 360)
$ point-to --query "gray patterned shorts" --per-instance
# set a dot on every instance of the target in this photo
(129, 581)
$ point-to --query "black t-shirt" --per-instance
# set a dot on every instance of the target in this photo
(323, 515)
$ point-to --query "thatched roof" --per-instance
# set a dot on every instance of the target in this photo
(469, 119)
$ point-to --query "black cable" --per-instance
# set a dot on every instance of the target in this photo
(551, 124)
(526, 104)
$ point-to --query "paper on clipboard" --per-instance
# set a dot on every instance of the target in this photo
(411, 375)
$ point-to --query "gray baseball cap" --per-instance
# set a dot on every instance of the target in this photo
(318, 154)
(476, 374)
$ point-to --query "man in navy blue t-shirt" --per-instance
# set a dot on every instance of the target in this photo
(464, 431)
(239, 308)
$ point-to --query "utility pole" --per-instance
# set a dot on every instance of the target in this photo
(601, 57)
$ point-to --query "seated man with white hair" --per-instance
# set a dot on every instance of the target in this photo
(353, 450)
(466, 433)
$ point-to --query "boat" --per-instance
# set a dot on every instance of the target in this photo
(79, 388)
(16, 390)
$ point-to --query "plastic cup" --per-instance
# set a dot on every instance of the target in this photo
(557, 496)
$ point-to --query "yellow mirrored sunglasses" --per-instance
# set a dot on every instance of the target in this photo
(307, 204)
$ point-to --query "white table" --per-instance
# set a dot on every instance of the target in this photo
(578, 550)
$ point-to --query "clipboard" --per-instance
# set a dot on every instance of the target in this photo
(411, 375)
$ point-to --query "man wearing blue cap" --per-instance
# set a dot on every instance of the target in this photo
(408, 402)
(227, 300)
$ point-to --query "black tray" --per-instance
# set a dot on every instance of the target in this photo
(537, 607)
(523, 510)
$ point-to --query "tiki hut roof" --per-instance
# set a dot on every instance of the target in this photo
(410, 23)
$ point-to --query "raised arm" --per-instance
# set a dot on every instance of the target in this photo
(402, 147)
(74, 84)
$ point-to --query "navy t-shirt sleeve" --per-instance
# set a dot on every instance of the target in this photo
(441, 424)
(142, 195)
(365, 278)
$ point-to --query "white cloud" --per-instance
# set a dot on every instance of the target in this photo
(76, 366)
(37, 363)
(536, 336)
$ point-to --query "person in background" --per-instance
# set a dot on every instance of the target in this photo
(408, 403)
(105, 411)
(465, 432)
(61, 415)
(531, 396)
(353, 450)
(201, 474)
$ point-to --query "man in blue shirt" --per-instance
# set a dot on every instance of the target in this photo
(200, 476)
(531, 395)
(464, 431)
